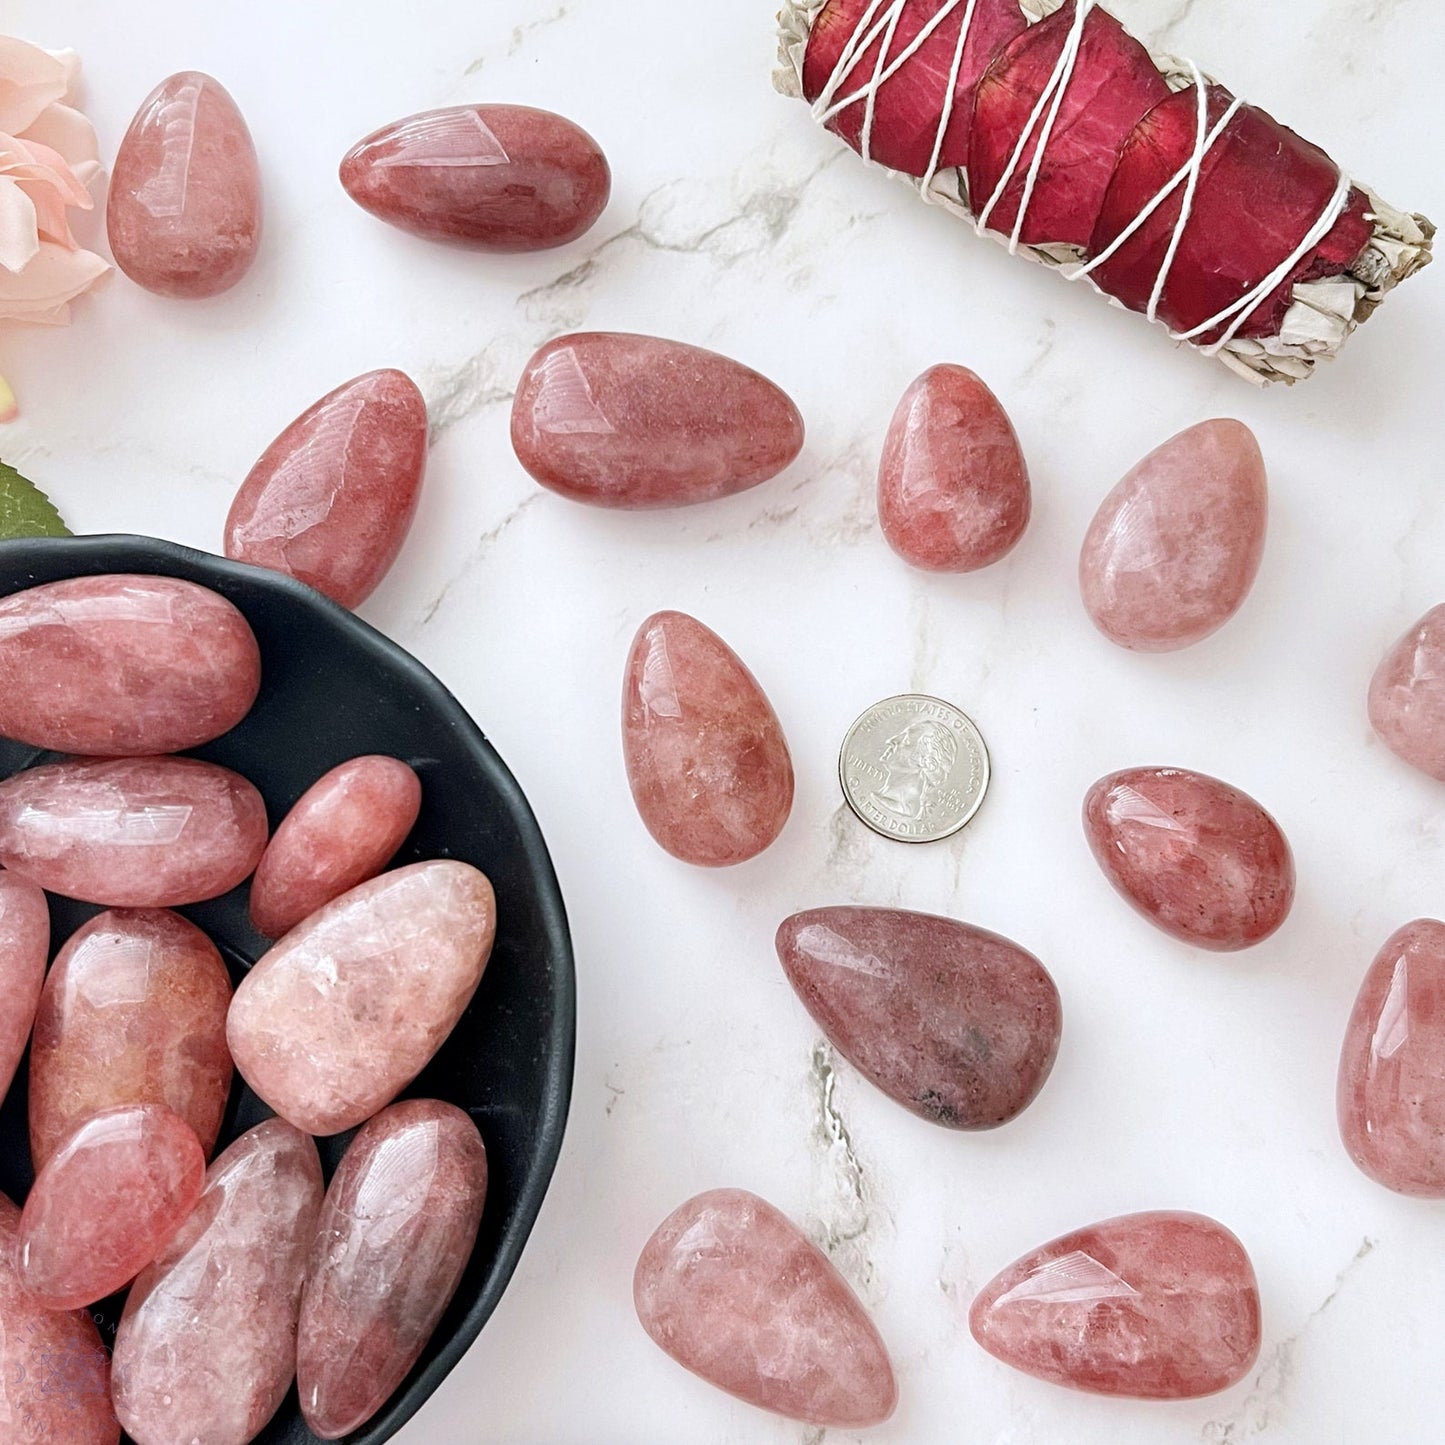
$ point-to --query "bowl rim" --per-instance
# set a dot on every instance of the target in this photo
(141, 553)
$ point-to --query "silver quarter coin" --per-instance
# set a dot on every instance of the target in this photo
(914, 768)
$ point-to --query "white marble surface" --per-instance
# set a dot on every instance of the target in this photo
(1185, 1079)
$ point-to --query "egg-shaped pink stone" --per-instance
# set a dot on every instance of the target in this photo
(706, 758)
(123, 665)
(1198, 858)
(133, 1012)
(24, 948)
(953, 489)
(184, 213)
(628, 421)
(343, 830)
(332, 498)
(132, 832)
(99, 1211)
(395, 1234)
(498, 178)
(1407, 695)
(1175, 547)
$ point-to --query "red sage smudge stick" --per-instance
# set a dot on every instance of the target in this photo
(1046, 125)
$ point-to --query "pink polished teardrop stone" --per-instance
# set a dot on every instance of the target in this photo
(343, 830)
(1407, 696)
(733, 1291)
(332, 498)
(54, 1371)
(1392, 1068)
(706, 758)
(184, 213)
(1160, 1306)
(133, 1012)
(132, 832)
(955, 1023)
(113, 1193)
(498, 178)
(636, 421)
(206, 1349)
(24, 947)
(1198, 858)
(953, 490)
(395, 1234)
(123, 665)
(1175, 547)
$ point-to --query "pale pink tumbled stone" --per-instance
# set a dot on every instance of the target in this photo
(99, 1211)
(336, 1019)
(54, 1371)
(619, 420)
(953, 489)
(1391, 1095)
(184, 213)
(206, 1349)
(332, 498)
(1160, 1306)
(132, 832)
(123, 665)
(395, 1234)
(1175, 547)
(343, 830)
(733, 1291)
(133, 1012)
(1407, 695)
(24, 947)
(706, 758)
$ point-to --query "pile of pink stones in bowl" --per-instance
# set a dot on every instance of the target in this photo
(250, 1273)
(957, 1024)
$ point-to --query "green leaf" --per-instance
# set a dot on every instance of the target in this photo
(25, 511)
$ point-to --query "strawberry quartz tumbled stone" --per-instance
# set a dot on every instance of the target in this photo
(955, 1023)
(706, 758)
(953, 490)
(1407, 696)
(1160, 1306)
(24, 947)
(184, 213)
(133, 1012)
(1391, 1093)
(1198, 858)
(733, 1291)
(332, 498)
(123, 665)
(635, 421)
(498, 178)
(395, 1234)
(1175, 547)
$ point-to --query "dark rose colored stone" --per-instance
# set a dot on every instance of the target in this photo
(184, 213)
(957, 1024)
(106, 1202)
(493, 177)
(395, 1234)
(207, 1346)
(953, 490)
(1198, 858)
(706, 758)
(123, 666)
(1176, 546)
(133, 1012)
(635, 421)
(132, 832)
(731, 1289)
(1160, 1306)
(1407, 696)
(332, 498)
(1392, 1067)
(24, 948)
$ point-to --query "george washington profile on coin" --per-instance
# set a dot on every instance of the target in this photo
(919, 760)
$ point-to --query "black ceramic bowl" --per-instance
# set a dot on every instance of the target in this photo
(333, 688)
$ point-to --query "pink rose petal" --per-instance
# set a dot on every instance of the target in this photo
(30, 79)
(54, 277)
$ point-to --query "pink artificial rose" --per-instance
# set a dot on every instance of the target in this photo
(48, 156)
